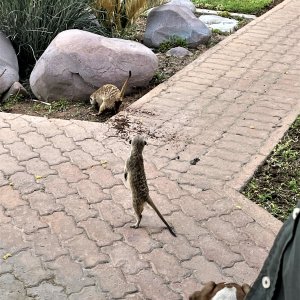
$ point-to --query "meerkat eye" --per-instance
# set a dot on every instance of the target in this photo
(129, 141)
(145, 143)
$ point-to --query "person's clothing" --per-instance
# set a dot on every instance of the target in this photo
(279, 278)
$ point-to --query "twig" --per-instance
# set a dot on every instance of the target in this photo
(34, 100)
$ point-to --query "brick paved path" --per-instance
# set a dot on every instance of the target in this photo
(65, 211)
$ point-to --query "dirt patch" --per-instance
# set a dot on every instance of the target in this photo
(276, 184)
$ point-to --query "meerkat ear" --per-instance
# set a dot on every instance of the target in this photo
(129, 141)
(145, 143)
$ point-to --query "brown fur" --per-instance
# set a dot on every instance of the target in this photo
(135, 172)
(109, 97)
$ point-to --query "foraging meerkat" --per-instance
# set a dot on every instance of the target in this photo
(135, 172)
(109, 96)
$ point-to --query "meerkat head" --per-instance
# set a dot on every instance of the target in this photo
(138, 143)
(92, 100)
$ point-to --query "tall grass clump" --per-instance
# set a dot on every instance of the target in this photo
(32, 24)
(119, 14)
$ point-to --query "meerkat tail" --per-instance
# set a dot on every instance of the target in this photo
(124, 86)
(150, 202)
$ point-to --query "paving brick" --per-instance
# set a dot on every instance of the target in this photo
(125, 257)
(242, 273)
(89, 293)
(225, 231)
(179, 247)
(121, 195)
(24, 182)
(10, 198)
(69, 274)
(77, 207)
(100, 232)
(166, 265)
(19, 125)
(11, 288)
(51, 155)
(186, 226)
(58, 187)
(167, 187)
(9, 165)
(46, 245)
(92, 147)
(43, 203)
(112, 281)
(261, 236)
(7, 136)
(193, 207)
(217, 251)
(38, 168)
(63, 143)
(102, 176)
(26, 219)
(21, 151)
(186, 287)
(62, 225)
(238, 218)
(77, 133)
(12, 239)
(139, 239)
(81, 159)
(90, 191)
(86, 251)
(69, 172)
(198, 264)
(112, 213)
(26, 263)
(34, 140)
(47, 291)
(47, 129)
(152, 286)
(253, 255)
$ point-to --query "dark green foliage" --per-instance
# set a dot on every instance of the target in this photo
(276, 184)
(32, 24)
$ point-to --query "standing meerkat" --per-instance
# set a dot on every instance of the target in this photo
(135, 172)
(109, 97)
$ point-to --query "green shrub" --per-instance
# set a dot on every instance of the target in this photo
(32, 24)
(174, 41)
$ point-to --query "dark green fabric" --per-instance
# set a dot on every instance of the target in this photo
(282, 266)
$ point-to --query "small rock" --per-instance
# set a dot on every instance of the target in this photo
(186, 3)
(194, 161)
(167, 21)
(16, 89)
(178, 52)
(220, 23)
(9, 68)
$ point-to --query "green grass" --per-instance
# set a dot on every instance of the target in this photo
(242, 6)
(276, 184)
(174, 41)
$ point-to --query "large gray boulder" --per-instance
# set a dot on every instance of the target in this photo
(169, 20)
(186, 3)
(77, 62)
(8, 63)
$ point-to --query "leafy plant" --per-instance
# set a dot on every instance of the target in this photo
(32, 24)
(118, 14)
(174, 41)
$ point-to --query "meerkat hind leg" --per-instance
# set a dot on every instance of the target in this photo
(138, 212)
(138, 221)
